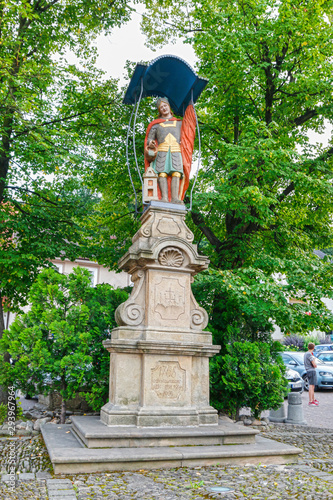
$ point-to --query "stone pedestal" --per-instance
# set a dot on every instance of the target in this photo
(158, 414)
(159, 354)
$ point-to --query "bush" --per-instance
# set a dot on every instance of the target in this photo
(295, 342)
(249, 374)
(57, 344)
(326, 340)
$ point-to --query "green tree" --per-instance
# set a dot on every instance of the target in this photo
(51, 109)
(57, 345)
(102, 302)
(263, 201)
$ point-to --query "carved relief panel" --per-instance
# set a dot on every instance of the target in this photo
(168, 303)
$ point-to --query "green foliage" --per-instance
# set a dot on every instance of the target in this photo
(263, 197)
(299, 342)
(102, 302)
(4, 410)
(248, 374)
(3, 413)
(52, 110)
(57, 344)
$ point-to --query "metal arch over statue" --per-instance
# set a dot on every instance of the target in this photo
(169, 140)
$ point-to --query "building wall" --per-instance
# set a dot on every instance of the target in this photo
(100, 274)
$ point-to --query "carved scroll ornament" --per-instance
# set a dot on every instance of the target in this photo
(130, 312)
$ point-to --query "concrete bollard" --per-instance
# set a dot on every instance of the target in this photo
(295, 409)
(278, 415)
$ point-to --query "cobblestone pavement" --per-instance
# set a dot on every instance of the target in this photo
(310, 479)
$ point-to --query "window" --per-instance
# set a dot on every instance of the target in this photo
(59, 267)
(93, 273)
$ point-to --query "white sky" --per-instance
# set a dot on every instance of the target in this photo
(128, 43)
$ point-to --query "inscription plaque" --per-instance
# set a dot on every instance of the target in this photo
(168, 380)
(167, 225)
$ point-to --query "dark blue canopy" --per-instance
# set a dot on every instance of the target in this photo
(166, 76)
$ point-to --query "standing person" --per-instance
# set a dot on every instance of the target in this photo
(310, 366)
(169, 146)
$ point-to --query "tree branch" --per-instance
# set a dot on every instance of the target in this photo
(59, 120)
(200, 223)
(310, 113)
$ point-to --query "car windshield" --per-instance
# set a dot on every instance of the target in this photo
(326, 356)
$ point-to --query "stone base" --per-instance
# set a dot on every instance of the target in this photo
(94, 434)
(69, 455)
(112, 415)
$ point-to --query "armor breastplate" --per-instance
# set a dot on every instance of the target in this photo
(169, 142)
(167, 135)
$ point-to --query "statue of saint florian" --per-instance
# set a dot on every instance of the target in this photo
(169, 147)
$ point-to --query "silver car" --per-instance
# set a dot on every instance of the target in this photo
(295, 381)
(326, 356)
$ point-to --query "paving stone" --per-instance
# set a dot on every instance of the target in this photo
(62, 495)
(26, 476)
(43, 475)
(8, 478)
(60, 482)
(311, 479)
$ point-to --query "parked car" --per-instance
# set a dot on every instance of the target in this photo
(295, 381)
(295, 361)
(322, 347)
(326, 356)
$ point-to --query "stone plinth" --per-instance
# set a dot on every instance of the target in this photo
(159, 354)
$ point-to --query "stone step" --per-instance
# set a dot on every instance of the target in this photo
(94, 434)
(69, 456)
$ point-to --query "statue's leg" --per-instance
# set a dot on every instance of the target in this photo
(175, 188)
(163, 185)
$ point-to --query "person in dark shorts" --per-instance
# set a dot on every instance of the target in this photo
(310, 365)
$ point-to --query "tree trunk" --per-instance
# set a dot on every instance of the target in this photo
(63, 411)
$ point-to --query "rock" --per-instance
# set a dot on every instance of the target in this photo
(20, 426)
(256, 422)
(41, 421)
(265, 419)
(29, 426)
(23, 432)
(247, 421)
(240, 422)
(4, 432)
